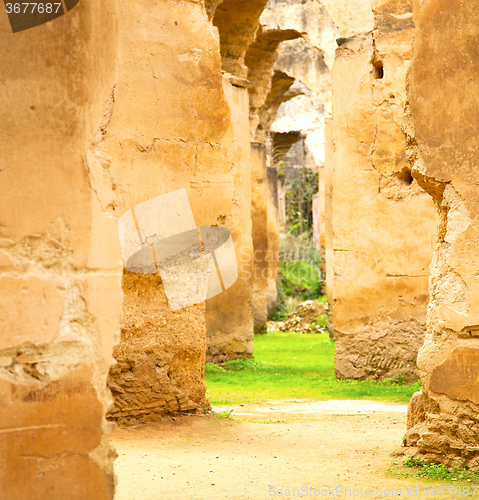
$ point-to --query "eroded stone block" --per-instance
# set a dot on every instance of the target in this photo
(38, 302)
(458, 375)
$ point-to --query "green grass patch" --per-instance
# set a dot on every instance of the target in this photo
(416, 468)
(293, 365)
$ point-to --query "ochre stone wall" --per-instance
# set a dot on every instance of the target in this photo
(260, 60)
(177, 123)
(265, 236)
(310, 19)
(59, 258)
(383, 223)
(328, 212)
(160, 360)
(169, 114)
(443, 145)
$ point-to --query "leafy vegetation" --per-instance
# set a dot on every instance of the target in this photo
(321, 320)
(300, 278)
(299, 189)
(294, 365)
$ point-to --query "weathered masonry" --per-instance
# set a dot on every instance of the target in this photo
(382, 224)
(177, 122)
(443, 144)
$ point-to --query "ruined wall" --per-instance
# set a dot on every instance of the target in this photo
(260, 60)
(173, 128)
(443, 147)
(265, 233)
(383, 223)
(290, 79)
(59, 258)
(308, 60)
(237, 24)
(328, 212)
(316, 212)
(307, 17)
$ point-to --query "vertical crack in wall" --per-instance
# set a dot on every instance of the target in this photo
(98, 163)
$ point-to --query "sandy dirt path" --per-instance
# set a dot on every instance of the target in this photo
(313, 447)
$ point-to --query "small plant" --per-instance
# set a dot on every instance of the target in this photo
(225, 414)
(299, 191)
(398, 379)
(280, 315)
(404, 441)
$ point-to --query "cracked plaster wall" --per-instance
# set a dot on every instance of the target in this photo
(59, 258)
(382, 227)
(442, 138)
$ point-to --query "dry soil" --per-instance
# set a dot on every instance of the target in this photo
(304, 448)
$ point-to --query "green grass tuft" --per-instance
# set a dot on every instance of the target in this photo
(212, 369)
(459, 477)
(244, 364)
(225, 414)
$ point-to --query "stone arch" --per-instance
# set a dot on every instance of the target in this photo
(237, 23)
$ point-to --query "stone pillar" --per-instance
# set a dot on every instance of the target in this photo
(59, 257)
(443, 145)
(383, 222)
(281, 206)
(273, 240)
(328, 209)
(229, 316)
(322, 207)
(321, 214)
(316, 216)
(171, 129)
(259, 216)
